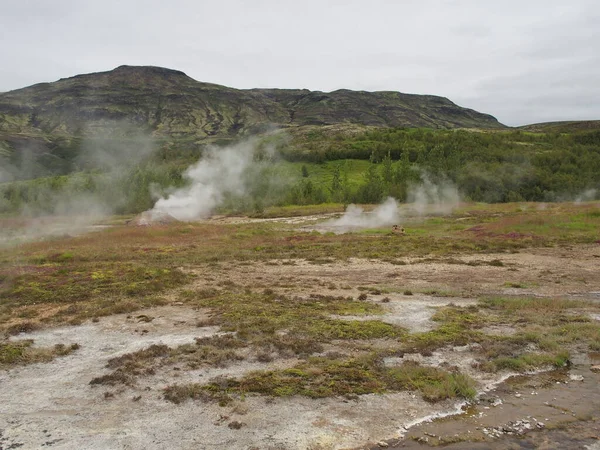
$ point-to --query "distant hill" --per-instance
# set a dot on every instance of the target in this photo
(563, 127)
(46, 123)
(169, 102)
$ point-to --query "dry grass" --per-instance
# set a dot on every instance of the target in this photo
(18, 353)
(548, 312)
(324, 377)
(217, 351)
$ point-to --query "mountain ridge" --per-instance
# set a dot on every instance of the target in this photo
(44, 126)
(562, 126)
(137, 92)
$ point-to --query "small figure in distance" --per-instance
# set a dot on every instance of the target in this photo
(398, 230)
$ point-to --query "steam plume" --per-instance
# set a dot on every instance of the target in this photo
(355, 217)
(433, 198)
(586, 196)
(426, 197)
(75, 205)
(220, 172)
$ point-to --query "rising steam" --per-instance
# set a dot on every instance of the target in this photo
(355, 217)
(586, 196)
(73, 208)
(425, 197)
(433, 198)
(220, 172)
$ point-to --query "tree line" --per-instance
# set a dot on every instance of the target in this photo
(500, 166)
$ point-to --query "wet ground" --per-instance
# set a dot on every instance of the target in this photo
(550, 410)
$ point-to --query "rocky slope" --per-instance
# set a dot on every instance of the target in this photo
(571, 126)
(169, 102)
(46, 123)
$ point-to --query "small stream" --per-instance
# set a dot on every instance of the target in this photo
(550, 410)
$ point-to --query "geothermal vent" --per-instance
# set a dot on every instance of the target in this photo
(148, 218)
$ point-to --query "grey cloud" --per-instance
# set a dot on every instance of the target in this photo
(503, 58)
(542, 94)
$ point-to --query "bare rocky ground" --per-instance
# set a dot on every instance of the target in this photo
(548, 410)
(53, 405)
(57, 408)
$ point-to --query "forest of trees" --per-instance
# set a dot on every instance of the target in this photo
(501, 166)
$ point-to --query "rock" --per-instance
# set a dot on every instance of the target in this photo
(595, 368)
(144, 318)
(235, 425)
(518, 395)
(497, 402)
(383, 444)
(221, 419)
(574, 377)
(397, 230)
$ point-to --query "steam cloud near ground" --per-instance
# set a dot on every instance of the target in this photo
(72, 210)
(219, 173)
(586, 196)
(355, 217)
(431, 197)
(423, 198)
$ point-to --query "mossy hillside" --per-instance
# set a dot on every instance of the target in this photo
(169, 101)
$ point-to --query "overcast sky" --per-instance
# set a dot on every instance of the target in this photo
(522, 61)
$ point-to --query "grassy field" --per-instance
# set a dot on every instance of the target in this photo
(331, 327)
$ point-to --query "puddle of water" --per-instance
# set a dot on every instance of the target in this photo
(557, 409)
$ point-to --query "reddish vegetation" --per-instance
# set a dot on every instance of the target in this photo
(481, 231)
(7, 272)
(305, 237)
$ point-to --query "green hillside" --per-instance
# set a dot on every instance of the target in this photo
(352, 165)
(44, 128)
(563, 127)
(118, 139)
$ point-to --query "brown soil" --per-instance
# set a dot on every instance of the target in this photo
(547, 272)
